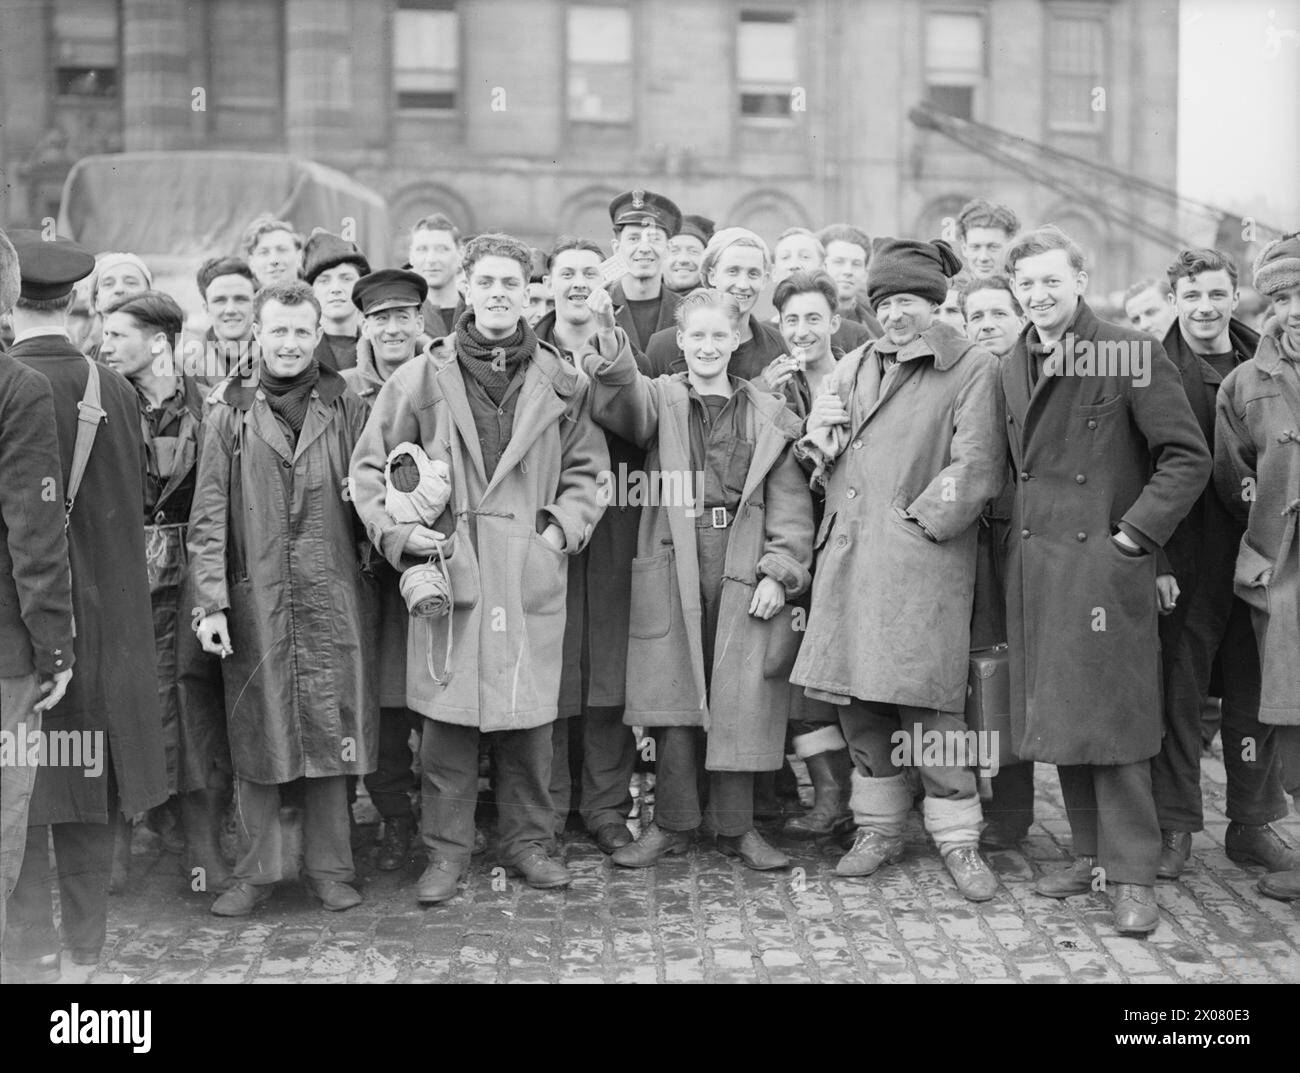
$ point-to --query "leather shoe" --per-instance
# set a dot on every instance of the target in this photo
(1258, 844)
(396, 846)
(1175, 849)
(336, 896)
(654, 843)
(1136, 912)
(612, 836)
(1077, 879)
(970, 873)
(84, 956)
(438, 883)
(753, 851)
(41, 970)
(541, 872)
(999, 836)
(241, 899)
(870, 850)
(1284, 886)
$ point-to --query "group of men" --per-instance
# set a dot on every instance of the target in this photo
(374, 506)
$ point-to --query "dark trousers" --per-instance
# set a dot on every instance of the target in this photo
(1012, 803)
(326, 834)
(869, 726)
(391, 783)
(1218, 624)
(1113, 818)
(677, 787)
(1288, 750)
(84, 855)
(608, 758)
(449, 792)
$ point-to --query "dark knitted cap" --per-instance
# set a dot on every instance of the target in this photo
(909, 266)
(1277, 268)
(325, 250)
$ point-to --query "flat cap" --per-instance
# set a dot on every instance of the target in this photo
(699, 226)
(645, 208)
(389, 288)
(49, 268)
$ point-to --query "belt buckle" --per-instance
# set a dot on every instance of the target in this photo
(719, 520)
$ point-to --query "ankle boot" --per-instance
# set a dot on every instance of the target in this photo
(830, 776)
(201, 814)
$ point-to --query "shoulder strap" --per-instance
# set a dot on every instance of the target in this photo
(89, 415)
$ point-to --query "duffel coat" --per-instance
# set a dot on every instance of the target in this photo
(274, 542)
(745, 710)
(114, 687)
(1257, 476)
(508, 584)
(891, 607)
(1081, 614)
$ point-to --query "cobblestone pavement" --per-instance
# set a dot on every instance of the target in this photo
(703, 917)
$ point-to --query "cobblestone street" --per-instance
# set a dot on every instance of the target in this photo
(702, 917)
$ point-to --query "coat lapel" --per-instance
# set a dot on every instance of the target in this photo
(263, 423)
(453, 392)
(538, 408)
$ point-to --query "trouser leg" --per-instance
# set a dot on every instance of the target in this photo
(83, 853)
(880, 797)
(30, 932)
(327, 840)
(257, 812)
(524, 808)
(1288, 755)
(561, 778)
(1080, 799)
(677, 793)
(449, 790)
(1128, 832)
(608, 757)
(18, 695)
(731, 801)
(1012, 803)
(389, 785)
(953, 816)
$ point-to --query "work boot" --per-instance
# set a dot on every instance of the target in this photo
(753, 851)
(438, 883)
(1258, 844)
(201, 816)
(1284, 886)
(45, 969)
(1136, 912)
(611, 837)
(396, 846)
(335, 896)
(1077, 879)
(870, 850)
(970, 873)
(541, 872)
(1175, 849)
(654, 843)
(241, 899)
(830, 814)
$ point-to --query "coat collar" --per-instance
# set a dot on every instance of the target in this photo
(941, 341)
(240, 394)
(1269, 356)
(1243, 339)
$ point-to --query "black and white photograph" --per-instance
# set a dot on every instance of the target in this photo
(652, 492)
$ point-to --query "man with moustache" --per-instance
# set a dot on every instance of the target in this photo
(736, 262)
(799, 250)
(434, 253)
(1202, 621)
(272, 249)
(643, 304)
(389, 303)
(848, 252)
(1109, 462)
(227, 286)
(685, 251)
(332, 266)
(1149, 306)
(985, 230)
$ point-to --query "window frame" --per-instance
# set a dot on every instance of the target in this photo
(400, 110)
(785, 14)
(948, 77)
(1099, 15)
(56, 65)
(596, 123)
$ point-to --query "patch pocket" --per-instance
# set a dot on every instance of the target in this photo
(654, 581)
(462, 574)
(546, 577)
(1103, 408)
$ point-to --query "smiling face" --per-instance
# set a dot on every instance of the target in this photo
(126, 347)
(118, 282)
(497, 290)
(333, 289)
(276, 258)
(682, 264)
(643, 248)
(392, 334)
(229, 304)
(1048, 288)
(1285, 306)
(740, 272)
(992, 320)
(807, 324)
(435, 255)
(795, 253)
(1151, 312)
(575, 274)
(287, 337)
(707, 338)
(847, 264)
(1204, 305)
(905, 316)
(984, 248)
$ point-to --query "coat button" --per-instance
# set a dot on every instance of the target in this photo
(286, 465)
(842, 542)
(1024, 475)
(1092, 422)
(857, 445)
(1079, 478)
(852, 493)
(1024, 533)
(1080, 537)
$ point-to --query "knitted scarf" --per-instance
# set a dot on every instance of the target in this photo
(289, 397)
(493, 362)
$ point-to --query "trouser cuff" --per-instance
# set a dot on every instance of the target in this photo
(880, 805)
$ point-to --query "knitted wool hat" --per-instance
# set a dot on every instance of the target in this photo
(729, 236)
(325, 250)
(10, 277)
(105, 261)
(907, 266)
(1277, 268)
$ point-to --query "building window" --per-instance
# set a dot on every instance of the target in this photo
(954, 61)
(86, 48)
(600, 63)
(245, 40)
(1076, 67)
(426, 54)
(767, 65)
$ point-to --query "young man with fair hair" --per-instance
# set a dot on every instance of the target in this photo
(848, 252)
(985, 230)
(435, 253)
(273, 250)
(1149, 306)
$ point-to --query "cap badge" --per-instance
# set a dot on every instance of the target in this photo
(638, 199)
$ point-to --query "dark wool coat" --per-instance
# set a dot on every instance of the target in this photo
(508, 584)
(274, 542)
(667, 311)
(891, 607)
(1257, 476)
(1081, 614)
(745, 712)
(114, 683)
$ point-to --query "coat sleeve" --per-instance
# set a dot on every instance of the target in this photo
(788, 526)
(584, 466)
(210, 512)
(954, 499)
(1182, 460)
(31, 503)
(621, 397)
(392, 421)
(1234, 454)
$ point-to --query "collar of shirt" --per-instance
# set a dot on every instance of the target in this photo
(39, 330)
